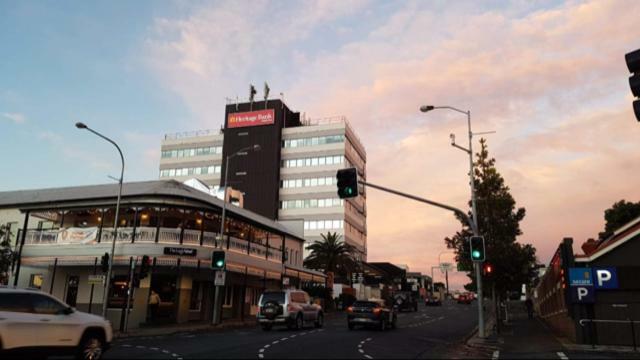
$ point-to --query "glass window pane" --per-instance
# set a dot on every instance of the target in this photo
(321, 181)
(298, 182)
(327, 224)
(336, 224)
(313, 225)
(314, 182)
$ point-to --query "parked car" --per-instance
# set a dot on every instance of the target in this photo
(36, 324)
(432, 301)
(405, 300)
(464, 299)
(292, 308)
(371, 313)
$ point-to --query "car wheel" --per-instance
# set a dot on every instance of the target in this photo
(266, 327)
(319, 321)
(90, 347)
(299, 322)
(383, 325)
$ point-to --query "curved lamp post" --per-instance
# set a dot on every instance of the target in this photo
(105, 296)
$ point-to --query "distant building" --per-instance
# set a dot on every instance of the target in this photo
(291, 177)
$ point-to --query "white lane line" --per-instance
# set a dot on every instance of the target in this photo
(261, 356)
(292, 336)
(175, 355)
(368, 339)
(368, 356)
(267, 346)
(139, 347)
(283, 339)
(304, 333)
(154, 349)
(496, 355)
(126, 345)
(275, 342)
(562, 355)
(165, 351)
(261, 350)
(361, 351)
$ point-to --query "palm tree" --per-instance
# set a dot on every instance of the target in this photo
(331, 255)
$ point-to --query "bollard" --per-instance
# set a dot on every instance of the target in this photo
(633, 335)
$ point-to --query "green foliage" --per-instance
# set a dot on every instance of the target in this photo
(6, 254)
(331, 255)
(499, 223)
(619, 214)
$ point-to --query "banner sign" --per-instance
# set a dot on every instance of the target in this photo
(180, 251)
(580, 277)
(77, 235)
(96, 279)
(253, 118)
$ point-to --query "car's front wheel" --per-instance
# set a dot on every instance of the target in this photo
(90, 347)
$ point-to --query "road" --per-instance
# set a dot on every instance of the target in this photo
(432, 332)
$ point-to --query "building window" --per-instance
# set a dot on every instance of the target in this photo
(313, 141)
(204, 170)
(323, 224)
(311, 203)
(191, 152)
(314, 161)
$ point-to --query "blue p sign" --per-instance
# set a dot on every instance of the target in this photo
(605, 278)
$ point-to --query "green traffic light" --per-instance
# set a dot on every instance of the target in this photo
(475, 254)
(219, 263)
(349, 191)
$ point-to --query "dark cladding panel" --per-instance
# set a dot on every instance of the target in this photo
(256, 174)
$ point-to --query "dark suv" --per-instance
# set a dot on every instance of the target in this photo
(292, 308)
(371, 313)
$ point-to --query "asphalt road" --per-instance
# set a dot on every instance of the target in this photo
(432, 332)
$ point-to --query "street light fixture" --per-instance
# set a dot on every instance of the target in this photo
(105, 295)
(243, 151)
(469, 151)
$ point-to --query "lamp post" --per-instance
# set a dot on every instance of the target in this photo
(256, 147)
(105, 295)
(426, 108)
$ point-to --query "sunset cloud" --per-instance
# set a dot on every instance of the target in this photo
(551, 81)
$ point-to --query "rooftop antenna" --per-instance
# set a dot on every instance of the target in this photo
(237, 102)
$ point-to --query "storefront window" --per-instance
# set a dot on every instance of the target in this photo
(118, 292)
(196, 296)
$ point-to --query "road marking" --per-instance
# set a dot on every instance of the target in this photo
(154, 348)
(165, 351)
(368, 339)
(304, 333)
(261, 356)
(126, 345)
(361, 351)
(496, 355)
(267, 346)
(359, 345)
(292, 336)
(283, 339)
(174, 355)
(261, 350)
(562, 355)
(275, 342)
(368, 356)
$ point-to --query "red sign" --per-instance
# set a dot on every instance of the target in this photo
(253, 118)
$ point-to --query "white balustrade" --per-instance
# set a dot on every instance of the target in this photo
(191, 237)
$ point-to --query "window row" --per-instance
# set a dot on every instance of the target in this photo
(203, 170)
(311, 203)
(323, 224)
(312, 141)
(313, 161)
(198, 151)
(296, 183)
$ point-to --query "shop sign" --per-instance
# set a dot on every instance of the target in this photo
(252, 118)
(606, 278)
(180, 251)
(220, 278)
(582, 295)
(96, 279)
(285, 281)
(77, 235)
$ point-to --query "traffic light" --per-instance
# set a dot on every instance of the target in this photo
(144, 266)
(476, 244)
(488, 269)
(104, 263)
(218, 260)
(633, 63)
(347, 183)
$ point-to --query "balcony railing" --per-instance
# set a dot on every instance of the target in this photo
(88, 236)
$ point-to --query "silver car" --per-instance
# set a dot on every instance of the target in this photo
(292, 308)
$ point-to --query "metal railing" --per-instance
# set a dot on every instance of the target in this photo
(629, 322)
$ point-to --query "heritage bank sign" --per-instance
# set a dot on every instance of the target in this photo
(584, 281)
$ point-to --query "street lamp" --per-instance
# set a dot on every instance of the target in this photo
(427, 108)
(105, 296)
(243, 151)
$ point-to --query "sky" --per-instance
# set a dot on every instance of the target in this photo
(548, 77)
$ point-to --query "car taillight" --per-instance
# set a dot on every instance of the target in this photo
(350, 309)
(377, 311)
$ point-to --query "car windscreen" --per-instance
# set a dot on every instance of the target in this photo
(272, 296)
(365, 304)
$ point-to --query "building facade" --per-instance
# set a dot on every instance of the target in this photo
(63, 234)
(293, 176)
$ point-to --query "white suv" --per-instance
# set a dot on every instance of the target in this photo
(32, 322)
(292, 308)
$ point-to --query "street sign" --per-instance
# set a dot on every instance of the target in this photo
(580, 277)
(605, 278)
(285, 281)
(582, 295)
(96, 279)
(220, 278)
(445, 266)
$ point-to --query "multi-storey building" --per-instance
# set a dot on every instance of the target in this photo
(292, 177)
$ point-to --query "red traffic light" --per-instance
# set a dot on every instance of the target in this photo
(488, 269)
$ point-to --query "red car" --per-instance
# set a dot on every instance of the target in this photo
(465, 299)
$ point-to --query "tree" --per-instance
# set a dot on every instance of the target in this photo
(499, 223)
(331, 255)
(619, 214)
(6, 254)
